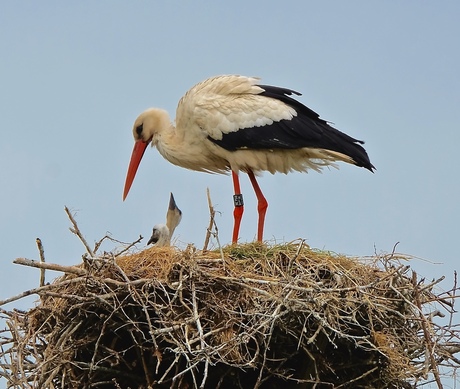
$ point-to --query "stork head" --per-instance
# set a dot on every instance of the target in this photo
(160, 236)
(148, 125)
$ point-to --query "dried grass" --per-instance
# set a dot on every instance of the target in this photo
(247, 316)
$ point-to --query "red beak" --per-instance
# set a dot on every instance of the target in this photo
(136, 156)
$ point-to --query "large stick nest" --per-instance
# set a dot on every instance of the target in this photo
(250, 316)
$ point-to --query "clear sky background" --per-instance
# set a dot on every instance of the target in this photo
(75, 75)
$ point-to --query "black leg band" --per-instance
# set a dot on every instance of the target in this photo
(238, 200)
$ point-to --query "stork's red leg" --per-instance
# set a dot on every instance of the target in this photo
(239, 207)
(262, 205)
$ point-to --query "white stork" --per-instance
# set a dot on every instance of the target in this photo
(233, 123)
(162, 233)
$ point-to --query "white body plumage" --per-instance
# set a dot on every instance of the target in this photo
(219, 106)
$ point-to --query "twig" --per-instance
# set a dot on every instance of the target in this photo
(345, 384)
(273, 319)
(203, 344)
(107, 236)
(212, 213)
(77, 232)
(299, 250)
(41, 251)
(50, 266)
(212, 222)
(40, 290)
(129, 246)
(426, 332)
(453, 299)
(393, 251)
(99, 242)
(173, 364)
(431, 284)
(196, 316)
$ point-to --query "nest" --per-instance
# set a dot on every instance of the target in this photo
(246, 316)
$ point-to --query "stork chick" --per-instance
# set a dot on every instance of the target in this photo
(162, 233)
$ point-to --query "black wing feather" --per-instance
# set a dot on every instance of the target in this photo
(306, 129)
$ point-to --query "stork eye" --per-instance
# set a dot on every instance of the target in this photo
(139, 129)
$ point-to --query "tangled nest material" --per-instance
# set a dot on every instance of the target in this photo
(260, 317)
(247, 316)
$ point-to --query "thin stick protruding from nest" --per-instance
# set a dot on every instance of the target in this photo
(427, 331)
(212, 213)
(212, 223)
(40, 289)
(108, 237)
(41, 251)
(129, 246)
(77, 232)
(50, 266)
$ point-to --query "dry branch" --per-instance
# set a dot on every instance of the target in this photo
(50, 266)
(77, 232)
(41, 251)
(212, 228)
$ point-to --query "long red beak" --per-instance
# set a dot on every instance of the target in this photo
(136, 156)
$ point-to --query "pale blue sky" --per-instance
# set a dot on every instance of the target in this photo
(74, 76)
